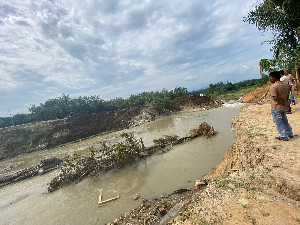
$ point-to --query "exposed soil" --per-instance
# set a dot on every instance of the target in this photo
(257, 95)
(257, 182)
(37, 136)
(194, 102)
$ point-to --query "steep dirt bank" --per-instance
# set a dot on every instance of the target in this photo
(257, 95)
(41, 135)
(257, 182)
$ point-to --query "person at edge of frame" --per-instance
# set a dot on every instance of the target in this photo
(291, 83)
(279, 92)
(285, 80)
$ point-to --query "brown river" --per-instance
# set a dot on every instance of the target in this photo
(27, 201)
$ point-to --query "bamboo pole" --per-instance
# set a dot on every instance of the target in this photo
(105, 202)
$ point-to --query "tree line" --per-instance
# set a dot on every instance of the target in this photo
(64, 106)
(222, 88)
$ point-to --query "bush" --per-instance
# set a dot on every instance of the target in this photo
(14, 143)
(126, 150)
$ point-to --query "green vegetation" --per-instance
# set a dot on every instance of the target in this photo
(35, 138)
(121, 152)
(24, 139)
(127, 150)
(221, 88)
(106, 157)
(254, 131)
(226, 182)
(282, 18)
(63, 106)
(14, 143)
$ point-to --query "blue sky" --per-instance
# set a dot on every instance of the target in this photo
(116, 48)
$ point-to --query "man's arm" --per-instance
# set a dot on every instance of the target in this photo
(274, 96)
(280, 101)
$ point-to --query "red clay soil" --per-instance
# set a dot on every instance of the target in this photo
(256, 95)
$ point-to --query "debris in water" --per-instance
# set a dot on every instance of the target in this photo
(105, 202)
(203, 129)
(118, 155)
(45, 166)
(136, 197)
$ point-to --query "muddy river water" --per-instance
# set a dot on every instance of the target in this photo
(26, 202)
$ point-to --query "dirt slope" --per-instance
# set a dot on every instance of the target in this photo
(258, 181)
(256, 95)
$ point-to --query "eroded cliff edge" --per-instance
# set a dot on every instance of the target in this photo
(257, 182)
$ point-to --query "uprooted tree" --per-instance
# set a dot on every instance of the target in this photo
(282, 17)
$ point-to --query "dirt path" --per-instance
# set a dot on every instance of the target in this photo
(258, 181)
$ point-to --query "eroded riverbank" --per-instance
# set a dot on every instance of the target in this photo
(151, 178)
(257, 182)
(22, 139)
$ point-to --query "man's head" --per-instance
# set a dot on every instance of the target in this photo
(286, 72)
(281, 73)
(274, 76)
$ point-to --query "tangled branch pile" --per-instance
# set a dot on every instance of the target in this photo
(117, 155)
(97, 160)
(45, 166)
(203, 129)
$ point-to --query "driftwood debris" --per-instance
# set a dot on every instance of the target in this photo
(118, 155)
(105, 202)
(45, 166)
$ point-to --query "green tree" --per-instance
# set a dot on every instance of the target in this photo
(282, 17)
(61, 107)
(269, 65)
(20, 119)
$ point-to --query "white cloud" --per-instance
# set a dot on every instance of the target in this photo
(116, 48)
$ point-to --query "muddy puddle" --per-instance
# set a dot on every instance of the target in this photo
(26, 202)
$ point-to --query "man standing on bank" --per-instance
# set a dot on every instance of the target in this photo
(285, 80)
(291, 83)
(280, 105)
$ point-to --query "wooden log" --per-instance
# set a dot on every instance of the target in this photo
(105, 202)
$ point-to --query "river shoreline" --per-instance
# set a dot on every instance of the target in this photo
(145, 177)
(26, 138)
(257, 182)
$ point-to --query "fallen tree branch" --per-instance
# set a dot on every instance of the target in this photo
(118, 155)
